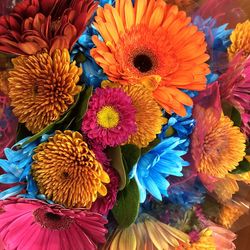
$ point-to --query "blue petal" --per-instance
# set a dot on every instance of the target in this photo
(8, 179)
(12, 155)
(152, 188)
(11, 192)
(160, 181)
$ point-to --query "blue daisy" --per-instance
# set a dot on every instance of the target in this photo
(92, 73)
(217, 37)
(17, 168)
(183, 126)
(162, 161)
(188, 193)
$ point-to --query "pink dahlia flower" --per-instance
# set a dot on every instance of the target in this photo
(235, 87)
(30, 224)
(103, 204)
(110, 118)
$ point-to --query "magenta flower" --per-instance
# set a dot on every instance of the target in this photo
(235, 87)
(110, 118)
(32, 224)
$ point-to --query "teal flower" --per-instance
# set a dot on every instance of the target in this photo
(155, 166)
(17, 170)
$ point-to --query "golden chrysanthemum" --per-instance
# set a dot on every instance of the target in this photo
(42, 87)
(223, 146)
(230, 213)
(147, 234)
(206, 241)
(240, 39)
(67, 172)
(225, 188)
(149, 119)
(154, 44)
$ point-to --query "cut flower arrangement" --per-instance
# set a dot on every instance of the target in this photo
(124, 125)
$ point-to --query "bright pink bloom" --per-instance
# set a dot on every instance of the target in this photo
(110, 118)
(235, 87)
(8, 125)
(103, 204)
(31, 224)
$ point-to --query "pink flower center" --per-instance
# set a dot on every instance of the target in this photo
(51, 220)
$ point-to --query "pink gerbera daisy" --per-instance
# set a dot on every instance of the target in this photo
(235, 88)
(110, 118)
(30, 224)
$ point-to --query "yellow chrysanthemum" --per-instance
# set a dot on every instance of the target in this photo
(148, 116)
(240, 39)
(225, 188)
(42, 88)
(230, 213)
(154, 44)
(206, 241)
(147, 234)
(67, 172)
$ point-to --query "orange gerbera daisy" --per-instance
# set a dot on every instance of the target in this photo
(154, 44)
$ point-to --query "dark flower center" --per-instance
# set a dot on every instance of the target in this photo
(65, 175)
(143, 63)
(52, 221)
(54, 217)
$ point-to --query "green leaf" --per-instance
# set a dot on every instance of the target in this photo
(232, 113)
(244, 166)
(59, 123)
(127, 206)
(131, 154)
(210, 208)
(115, 155)
(22, 132)
(82, 107)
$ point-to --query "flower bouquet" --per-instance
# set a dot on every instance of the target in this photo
(124, 125)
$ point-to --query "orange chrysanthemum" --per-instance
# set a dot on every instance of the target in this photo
(153, 44)
(149, 119)
(240, 38)
(67, 172)
(42, 87)
(217, 145)
(223, 147)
